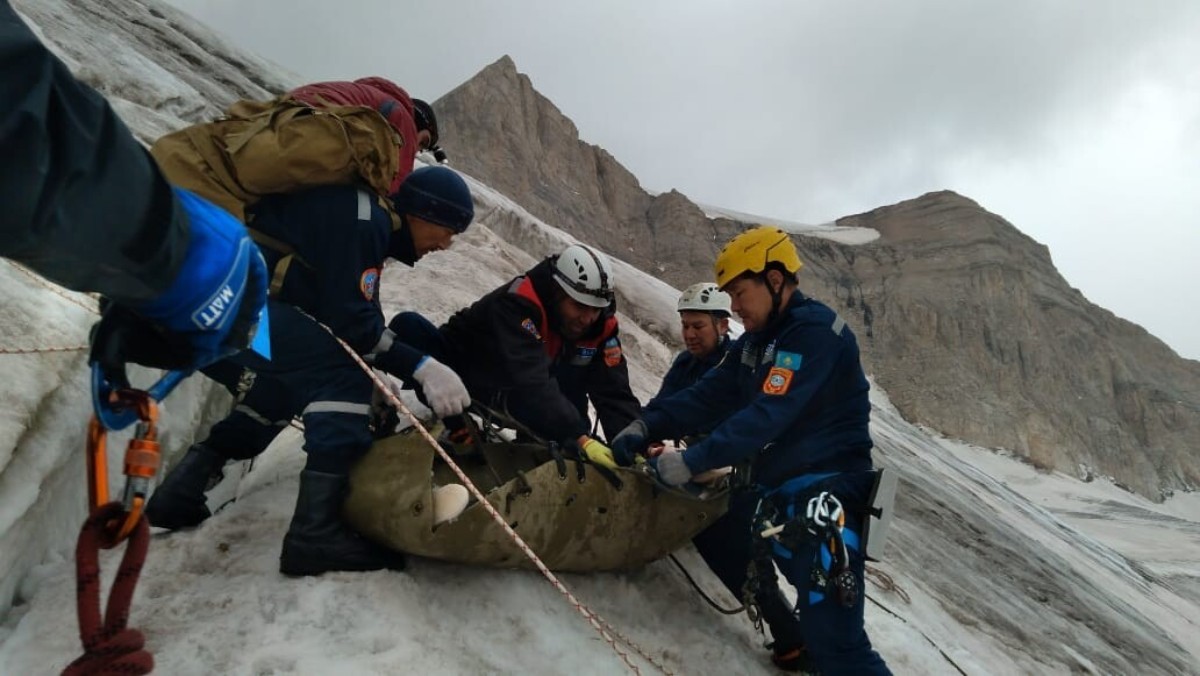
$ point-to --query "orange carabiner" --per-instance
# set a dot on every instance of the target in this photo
(142, 459)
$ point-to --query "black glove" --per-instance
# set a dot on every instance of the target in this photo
(122, 336)
(630, 442)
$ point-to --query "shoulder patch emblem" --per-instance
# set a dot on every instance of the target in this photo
(788, 360)
(777, 381)
(368, 283)
(528, 325)
(612, 352)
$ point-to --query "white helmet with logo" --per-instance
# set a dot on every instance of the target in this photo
(705, 297)
(585, 275)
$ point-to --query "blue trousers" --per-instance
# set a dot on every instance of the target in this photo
(834, 633)
(308, 375)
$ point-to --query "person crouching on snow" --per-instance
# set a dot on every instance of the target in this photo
(326, 247)
(540, 347)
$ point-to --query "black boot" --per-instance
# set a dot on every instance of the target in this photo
(788, 650)
(179, 501)
(318, 541)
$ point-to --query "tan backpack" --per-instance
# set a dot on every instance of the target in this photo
(267, 147)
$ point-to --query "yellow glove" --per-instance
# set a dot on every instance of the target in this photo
(598, 453)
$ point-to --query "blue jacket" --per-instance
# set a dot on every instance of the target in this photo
(793, 399)
(687, 369)
(340, 236)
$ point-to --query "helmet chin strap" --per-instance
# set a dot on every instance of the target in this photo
(776, 300)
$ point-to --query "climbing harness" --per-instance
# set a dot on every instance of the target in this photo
(823, 521)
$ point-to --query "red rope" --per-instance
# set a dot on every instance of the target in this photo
(110, 648)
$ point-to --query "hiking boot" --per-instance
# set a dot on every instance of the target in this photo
(318, 541)
(792, 659)
(179, 501)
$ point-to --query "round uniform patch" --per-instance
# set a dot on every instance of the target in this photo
(777, 381)
(369, 283)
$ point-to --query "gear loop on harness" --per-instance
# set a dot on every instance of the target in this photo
(109, 646)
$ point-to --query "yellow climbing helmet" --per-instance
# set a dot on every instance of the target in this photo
(752, 250)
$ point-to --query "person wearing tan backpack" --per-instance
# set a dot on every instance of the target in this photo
(326, 247)
(365, 132)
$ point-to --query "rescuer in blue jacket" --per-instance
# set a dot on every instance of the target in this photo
(704, 325)
(794, 403)
(325, 247)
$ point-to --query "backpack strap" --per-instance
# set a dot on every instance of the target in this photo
(387, 206)
(279, 274)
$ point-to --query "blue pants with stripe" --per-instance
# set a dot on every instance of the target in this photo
(308, 375)
(834, 633)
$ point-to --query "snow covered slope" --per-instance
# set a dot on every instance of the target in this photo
(993, 567)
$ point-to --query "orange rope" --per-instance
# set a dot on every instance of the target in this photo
(42, 281)
(599, 624)
(61, 292)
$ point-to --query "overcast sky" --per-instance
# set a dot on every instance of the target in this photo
(1076, 120)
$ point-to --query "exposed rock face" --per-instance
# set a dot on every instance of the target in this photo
(963, 319)
(497, 128)
(972, 331)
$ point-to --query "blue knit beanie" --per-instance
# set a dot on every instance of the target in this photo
(438, 195)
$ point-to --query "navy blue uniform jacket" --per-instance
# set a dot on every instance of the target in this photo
(687, 369)
(793, 398)
(341, 236)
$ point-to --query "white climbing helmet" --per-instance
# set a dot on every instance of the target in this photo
(585, 275)
(705, 297)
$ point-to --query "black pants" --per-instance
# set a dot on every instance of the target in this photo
(728, 549)
(308, 375)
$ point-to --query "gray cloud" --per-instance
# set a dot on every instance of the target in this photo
(1077, 120)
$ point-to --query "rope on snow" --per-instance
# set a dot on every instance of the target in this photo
(601, 626)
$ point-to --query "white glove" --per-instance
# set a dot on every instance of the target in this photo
(444, 390)
(672, 470)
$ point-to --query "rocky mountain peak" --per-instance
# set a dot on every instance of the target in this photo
(962, 318)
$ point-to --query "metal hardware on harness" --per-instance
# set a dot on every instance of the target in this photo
(822, 521)
(142, 458)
